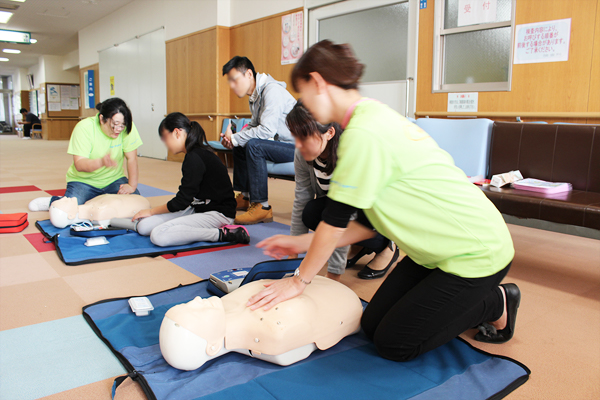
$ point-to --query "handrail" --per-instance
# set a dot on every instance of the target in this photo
(211, 115)
(217, 114)
(509, 114)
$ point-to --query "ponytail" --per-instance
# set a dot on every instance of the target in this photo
(196, 137)
(195, 134)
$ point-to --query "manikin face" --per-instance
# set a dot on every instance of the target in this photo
(112, 127)
(63, 212)
(314, 145)
(240, 82)
(175, 141)
(315, 97)
(192, 333)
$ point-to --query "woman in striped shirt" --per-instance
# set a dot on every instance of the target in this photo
(314, 162)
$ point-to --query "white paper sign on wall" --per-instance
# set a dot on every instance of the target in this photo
(542, 42)
(463, 102)
(471, 12)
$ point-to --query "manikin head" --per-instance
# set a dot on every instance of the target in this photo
(64, 212)
(241, 76)
(193, 333)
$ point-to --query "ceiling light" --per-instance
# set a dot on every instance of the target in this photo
(32, 40)
(5, 16)
(3, 59)
(20, 1)
(12, 51)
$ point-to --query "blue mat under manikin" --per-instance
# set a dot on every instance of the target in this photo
(352, 369)
(72, 251)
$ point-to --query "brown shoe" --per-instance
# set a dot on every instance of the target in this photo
(255, 214)
(242, 202)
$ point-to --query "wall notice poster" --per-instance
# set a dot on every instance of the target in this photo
(471, 12)
(542, 42)
(90, 101)
(463, 102)
(54, 107)
(53, 94)
(292, 37)
(112, 85)
(69, 97)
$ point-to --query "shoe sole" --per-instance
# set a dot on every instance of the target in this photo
(265, 220)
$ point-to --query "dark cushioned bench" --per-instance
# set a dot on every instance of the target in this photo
(551, 152)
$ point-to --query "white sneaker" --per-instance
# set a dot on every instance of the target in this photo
(40, 204)
(26, 138)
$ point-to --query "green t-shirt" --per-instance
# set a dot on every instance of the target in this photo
(413, 194)
(89, 141)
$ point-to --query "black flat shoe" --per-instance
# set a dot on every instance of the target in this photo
(368, 273)
(488, 333)
(363, 252)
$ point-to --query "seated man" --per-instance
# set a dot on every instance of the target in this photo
(28, 120)
(265, 138)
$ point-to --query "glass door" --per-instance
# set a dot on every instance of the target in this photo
(383, 35)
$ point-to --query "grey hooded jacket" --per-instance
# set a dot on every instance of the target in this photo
(307, 189)
(270, 103)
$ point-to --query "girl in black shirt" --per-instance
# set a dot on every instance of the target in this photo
(204, 207)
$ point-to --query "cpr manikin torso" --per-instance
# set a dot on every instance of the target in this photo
(99, 210)
(195, 332)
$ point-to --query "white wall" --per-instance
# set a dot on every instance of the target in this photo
(54, 72)
(19, 78)
(39, 72)
(51, 69)
(248, 10)
(179, 17)
(71, 60)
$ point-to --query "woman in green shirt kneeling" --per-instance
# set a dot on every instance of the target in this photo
(458, 247)
(99, 146)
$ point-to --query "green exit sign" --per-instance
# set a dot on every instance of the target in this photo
(15, 36)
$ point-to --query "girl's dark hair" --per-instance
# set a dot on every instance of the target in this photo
(195, 134)
(336, 63)
(302, 125)
(108, 108)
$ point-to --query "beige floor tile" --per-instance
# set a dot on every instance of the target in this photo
(35, 302)
(24, 269)
(15, 244)
(132, 280)
(100, 390)
(51, 257)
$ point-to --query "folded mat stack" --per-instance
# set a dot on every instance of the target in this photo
(352, 369)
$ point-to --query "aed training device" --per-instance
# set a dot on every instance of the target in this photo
(141, 306)
(96, 230)
(229, 280)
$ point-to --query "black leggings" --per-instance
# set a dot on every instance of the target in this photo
(312, 215)
(417, 309)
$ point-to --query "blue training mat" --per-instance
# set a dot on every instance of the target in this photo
(352, 369)
(72, 251)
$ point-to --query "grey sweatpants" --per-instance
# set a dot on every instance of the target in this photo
(183, 227)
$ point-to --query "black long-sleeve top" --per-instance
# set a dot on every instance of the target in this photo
(205, 185)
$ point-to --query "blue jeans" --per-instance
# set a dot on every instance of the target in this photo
(250, 166)
(84, 192)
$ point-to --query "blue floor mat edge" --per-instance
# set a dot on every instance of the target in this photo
(139, 377)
